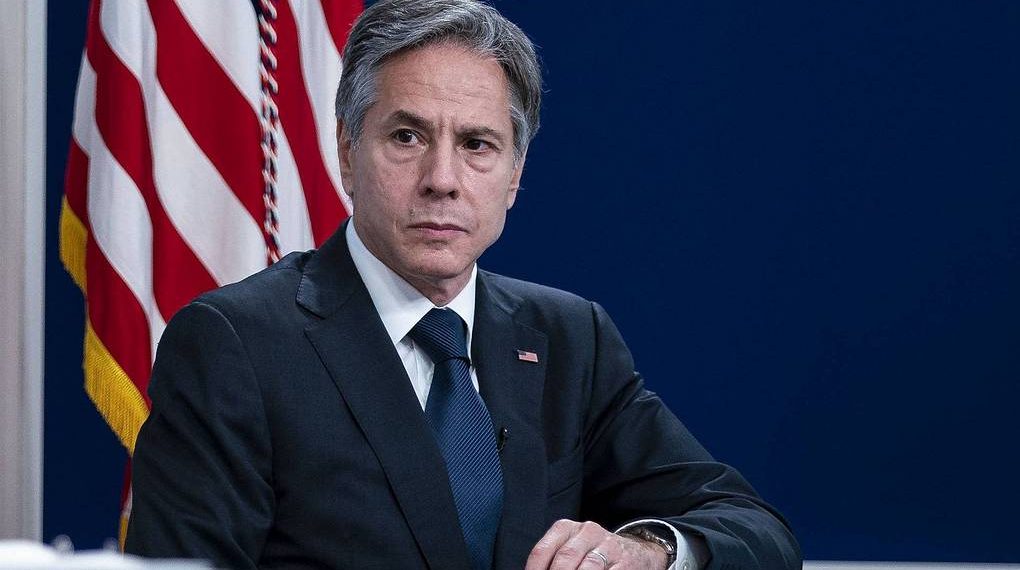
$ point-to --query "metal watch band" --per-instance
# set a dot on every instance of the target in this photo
(643, 533)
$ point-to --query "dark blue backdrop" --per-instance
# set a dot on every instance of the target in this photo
(804, 219)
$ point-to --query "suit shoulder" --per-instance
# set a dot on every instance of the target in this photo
(541, 298)
(272, 285)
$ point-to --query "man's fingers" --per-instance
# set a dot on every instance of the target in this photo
(577, 548)
(568, 545)
(558, 534)
(592, 561)
(609, 548)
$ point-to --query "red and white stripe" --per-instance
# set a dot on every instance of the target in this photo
(165, 173)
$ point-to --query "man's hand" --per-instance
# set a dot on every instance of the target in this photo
(571, 545)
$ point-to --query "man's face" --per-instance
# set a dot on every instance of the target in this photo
(433, 174)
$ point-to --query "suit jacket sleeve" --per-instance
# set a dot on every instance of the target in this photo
(205, 490)
(641, 462)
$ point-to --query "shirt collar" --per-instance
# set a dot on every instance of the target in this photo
(401, 306)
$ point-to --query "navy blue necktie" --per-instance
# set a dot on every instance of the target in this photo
(464, 431)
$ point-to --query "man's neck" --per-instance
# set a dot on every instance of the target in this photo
(439, 291)
(400, 304)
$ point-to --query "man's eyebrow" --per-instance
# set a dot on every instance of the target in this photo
(473, 131)
(402, 117)
(405, 117)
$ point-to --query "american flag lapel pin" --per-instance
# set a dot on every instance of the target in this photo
(527, 356)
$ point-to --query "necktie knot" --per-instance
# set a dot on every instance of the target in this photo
(442, 334)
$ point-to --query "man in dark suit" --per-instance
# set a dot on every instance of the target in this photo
(382, 403)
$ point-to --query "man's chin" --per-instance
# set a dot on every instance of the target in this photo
(441, 274)
(439, 270)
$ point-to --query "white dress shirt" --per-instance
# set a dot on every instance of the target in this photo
(401, 306)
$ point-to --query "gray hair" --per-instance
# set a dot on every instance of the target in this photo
(389, 27)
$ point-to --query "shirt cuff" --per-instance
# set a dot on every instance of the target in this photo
(691, 552)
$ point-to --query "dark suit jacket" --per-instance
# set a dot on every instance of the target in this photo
(285, 434)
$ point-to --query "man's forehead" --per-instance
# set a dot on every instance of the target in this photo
(444, 80)
(447, 67)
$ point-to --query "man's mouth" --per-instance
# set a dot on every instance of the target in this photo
(438, 230)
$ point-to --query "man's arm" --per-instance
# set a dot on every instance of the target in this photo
(201, 472)
(641, 462)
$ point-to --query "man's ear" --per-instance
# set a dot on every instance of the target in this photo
(515, 182)
(343, 151)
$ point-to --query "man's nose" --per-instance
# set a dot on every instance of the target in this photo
(442, 171)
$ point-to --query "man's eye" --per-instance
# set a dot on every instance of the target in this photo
(476, 145)
(405, 136)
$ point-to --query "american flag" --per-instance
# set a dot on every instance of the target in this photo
(202, 150)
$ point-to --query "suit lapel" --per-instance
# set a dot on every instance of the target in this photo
(512, 390)
(354, 347)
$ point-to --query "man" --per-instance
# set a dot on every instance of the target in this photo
(382, 403)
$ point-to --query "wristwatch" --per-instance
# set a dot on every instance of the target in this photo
(645, 533)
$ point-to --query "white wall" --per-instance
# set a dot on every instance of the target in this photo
(22, 255)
